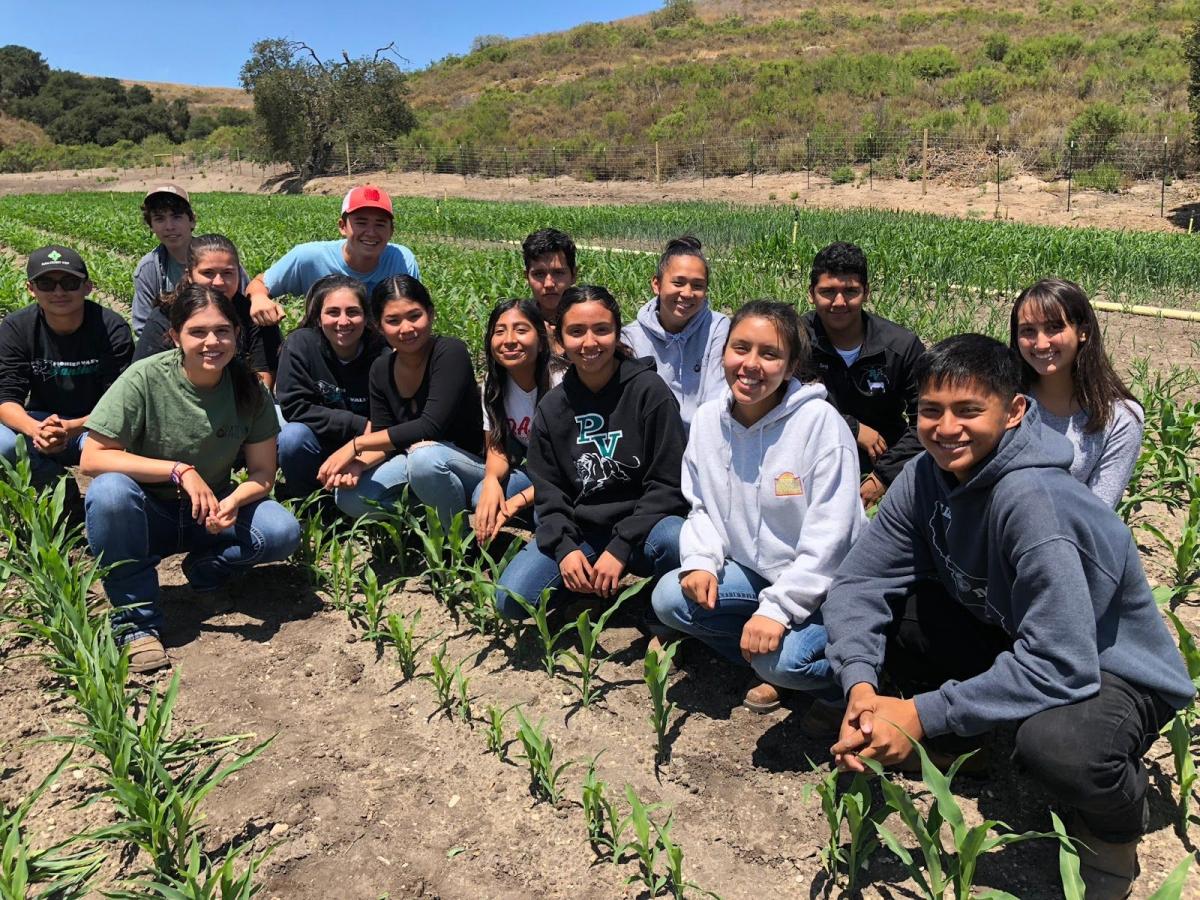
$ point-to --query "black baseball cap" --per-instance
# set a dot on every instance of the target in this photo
(54, 258)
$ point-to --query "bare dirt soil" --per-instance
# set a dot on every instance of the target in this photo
(369, 792)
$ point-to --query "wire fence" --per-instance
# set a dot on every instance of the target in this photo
(1108, 162)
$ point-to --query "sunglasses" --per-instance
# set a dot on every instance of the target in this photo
(48, 284)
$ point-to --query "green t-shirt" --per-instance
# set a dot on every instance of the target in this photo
(154, 411)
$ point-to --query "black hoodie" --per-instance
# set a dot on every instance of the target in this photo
(607, 461)
(317, 389)
(260, 345)
(878, 390)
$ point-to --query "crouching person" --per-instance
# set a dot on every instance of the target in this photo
(771, 472)
(993, 587)
(161, 446)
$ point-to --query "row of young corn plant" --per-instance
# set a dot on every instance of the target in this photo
(942, 852)
(154, 779)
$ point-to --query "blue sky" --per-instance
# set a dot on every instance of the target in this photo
(206, 42)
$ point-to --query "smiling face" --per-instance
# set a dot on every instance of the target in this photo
(219, 270)
(548, 276)
(839, 300)
(173, 229)
(514, 341)
(406, 325)
(757, 362)
(208, 341)
(61, 296)
(342, 322)
(959, 424)
(681, 291)
(367, 232)
(1048, 345)
(589, 338)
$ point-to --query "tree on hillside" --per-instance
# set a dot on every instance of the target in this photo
(22, 72)
(306, 107)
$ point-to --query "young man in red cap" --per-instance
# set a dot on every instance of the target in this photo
(364, 253)
(58, 355)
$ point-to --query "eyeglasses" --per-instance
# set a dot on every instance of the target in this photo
(48, 284)
(830, 293)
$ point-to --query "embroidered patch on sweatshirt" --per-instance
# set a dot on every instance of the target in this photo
(788, 485)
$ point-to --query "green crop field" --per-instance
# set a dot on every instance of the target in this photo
(937, 276)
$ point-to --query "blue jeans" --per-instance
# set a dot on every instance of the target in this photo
(126, 525)
(300, 456)
(444, 477)
(383, 485)
(799, 664)
(532, 571)
(43, 467)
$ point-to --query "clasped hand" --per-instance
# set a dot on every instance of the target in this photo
(877, 728)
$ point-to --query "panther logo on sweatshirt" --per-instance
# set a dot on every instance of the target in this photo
(597, 470)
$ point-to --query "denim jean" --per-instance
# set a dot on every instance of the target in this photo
(132, 530)
(531, 571)
(1087, 754)
(799, 664)
(43, 467)
(300, 456)
(444, 477)
(383, 484)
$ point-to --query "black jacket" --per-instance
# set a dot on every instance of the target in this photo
(609, 461)
(258, 344)
(317, 389)
(445, 407)
(879, 389)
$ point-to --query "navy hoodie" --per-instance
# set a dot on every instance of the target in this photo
(1026, 547)
(608, 461)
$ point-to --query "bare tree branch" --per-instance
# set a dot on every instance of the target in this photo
(300, 45)
(392, 48)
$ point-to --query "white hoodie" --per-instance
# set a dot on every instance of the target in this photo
(780, 497)
(690, 361)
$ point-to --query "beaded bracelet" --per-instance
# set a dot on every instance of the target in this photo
(178, 471)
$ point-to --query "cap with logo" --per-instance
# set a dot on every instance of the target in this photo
(54, 258)
(173, 189)
(367, 196)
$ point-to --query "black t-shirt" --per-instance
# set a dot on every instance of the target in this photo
(259, 345)
(64, 374)
(445, 407)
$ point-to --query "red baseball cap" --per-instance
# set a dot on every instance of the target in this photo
(367, 196)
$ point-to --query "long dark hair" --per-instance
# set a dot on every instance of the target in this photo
(1096, 386)
(496, 376)
(199, 246)
(594, 293)
(314, 301)
(247, 389)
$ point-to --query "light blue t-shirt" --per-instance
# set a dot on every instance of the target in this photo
(296, 271)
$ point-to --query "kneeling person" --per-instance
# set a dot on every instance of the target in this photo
(993, 587)
(58, 356)
(161, 445)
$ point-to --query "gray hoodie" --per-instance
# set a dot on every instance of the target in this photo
(689, 362)
(779, 497)
(1022, 545)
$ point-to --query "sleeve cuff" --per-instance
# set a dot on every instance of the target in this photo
(773, 611)
(564, 548)
(933, 712)
(619, 548)
(699, 563)
(858, 673)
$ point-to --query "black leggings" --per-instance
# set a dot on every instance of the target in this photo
(1087, 754)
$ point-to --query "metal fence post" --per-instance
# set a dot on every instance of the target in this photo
(1162, 198)
(657, 165)
(751, 162)
(924, 160)
(554, 162)
(703, 178)
(1070, 170)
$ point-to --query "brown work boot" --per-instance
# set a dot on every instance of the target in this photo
(1108, 870)
(762, 698)
(146, 654)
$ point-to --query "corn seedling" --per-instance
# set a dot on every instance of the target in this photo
(317, 539)
(657, 674)
(585, 661)
(540, 625)
(445, 550)
(203, 879)
(402, 633)
(599, 812)
(462, 690)
(659, 859)
(544, 775)
(854, 807)
(495, 729)
(480, 579)
(941, 869)
(58, 871)
(1173, 885)
(374, 605)
(1068, 862)
(441, 676)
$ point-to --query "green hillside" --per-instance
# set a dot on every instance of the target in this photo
(1025, 70)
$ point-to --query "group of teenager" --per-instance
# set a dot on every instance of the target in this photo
(731, 459)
